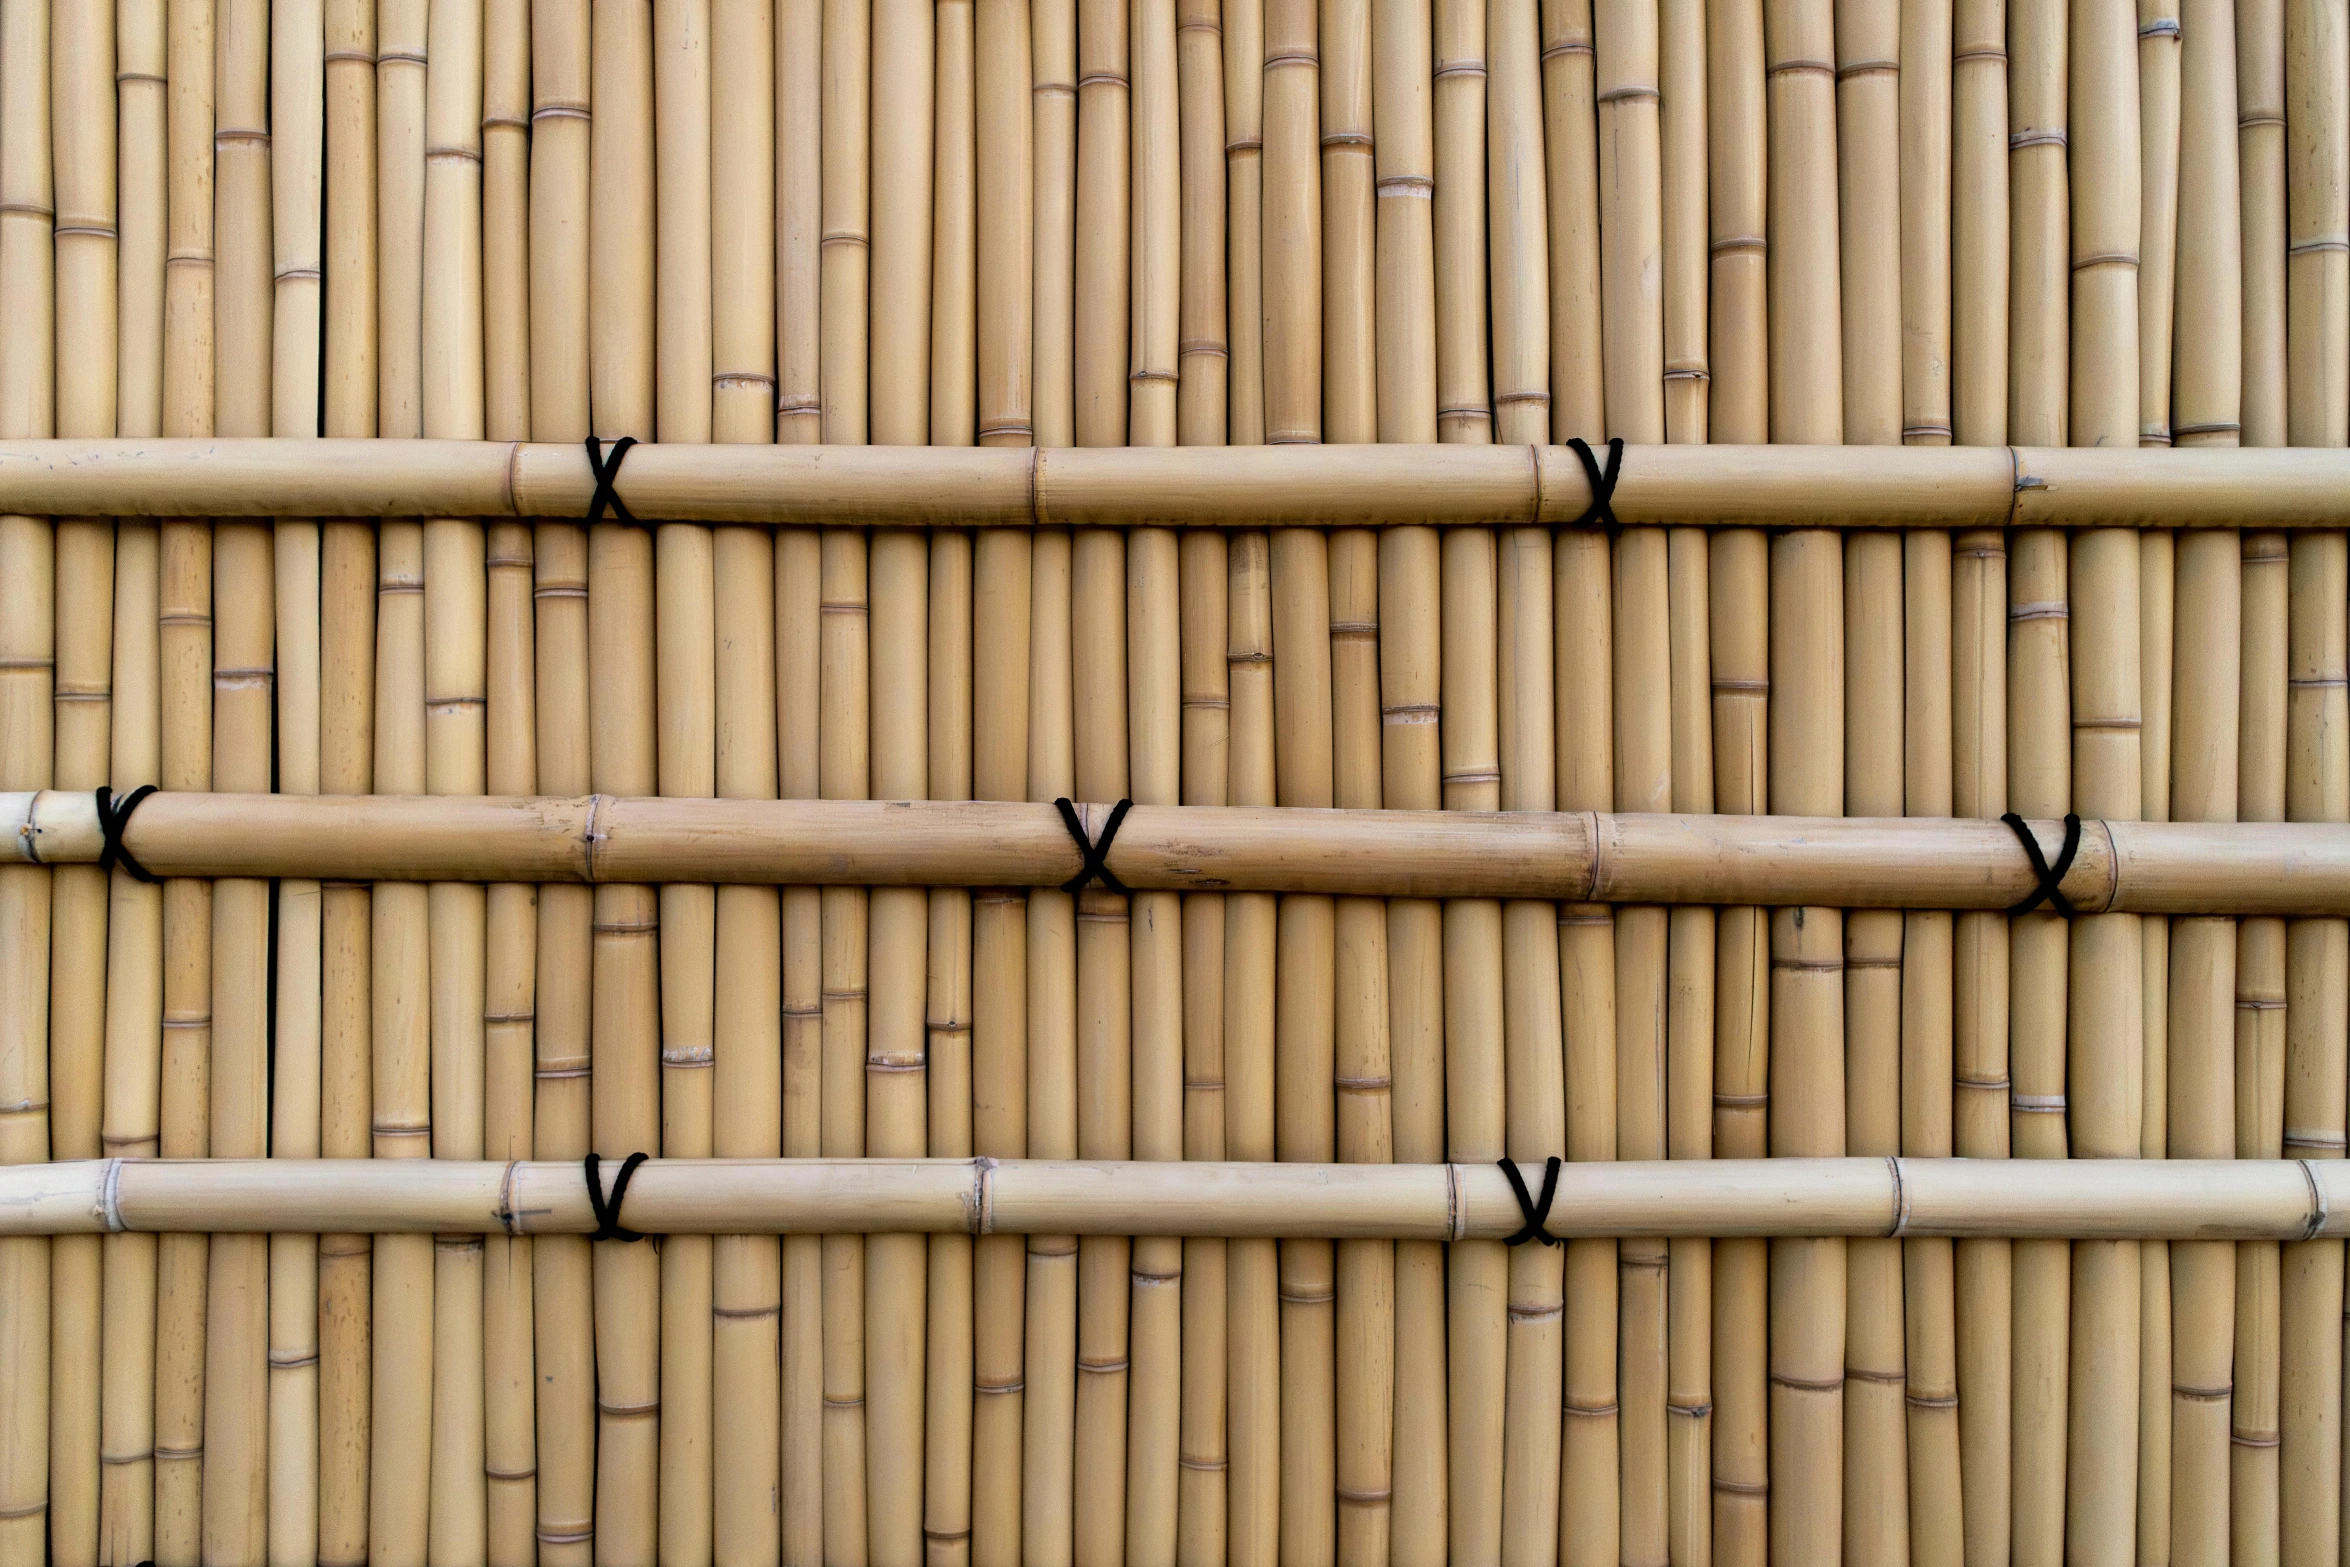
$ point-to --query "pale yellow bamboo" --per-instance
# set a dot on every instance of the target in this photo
(1464, 392)
(954, 282)
(142, 173)
(799, 596)
(1683, 128)
(1979, 224)
(904, 79)
(1201, 356)
(1350, 380)
(2260, 150)
(348, 390)
(1737, 149)
(799, 220)
(1870, 194)
(1005, 112)
(2158, 158)
(1244, 266)
(1926, 89)
(1100, 308)
(1052, 251)
(1557, 295)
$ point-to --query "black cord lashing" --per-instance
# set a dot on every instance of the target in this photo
(112, 819)
(1096, 851)
(1535, 1210)
(1603, 481)
(607, 1210)
(607, 472)
(2051, 877)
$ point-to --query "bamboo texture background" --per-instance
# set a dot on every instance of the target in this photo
(1156, 222)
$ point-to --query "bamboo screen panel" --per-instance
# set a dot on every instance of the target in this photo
(1084, 222)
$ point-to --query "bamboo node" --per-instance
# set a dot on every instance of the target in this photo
(1286, 57)
(1739, 242)
(2317, 1203)
(2307, 247)
(1103, 79)
(831, 1402)
(400, 57)
(946, 1536)
(1203, 1465)
(1690, 1411)
(285, 1360)
(558, 109)
(1416, 185)
(746, 1313)
(444, 155)
(1741, 1101)
(578, 1536)
(1556, 51)
(2253, 1439)
(1347, 139)
(689, 1056)
(1855, 1374)
(1529, 1313)
(2203, 1395)
(2160, 27)
(2036, 1104)
(1105, 1368)
(1802, 68)
(2228, 428)
(222, 139)
(2258, 117)
(99, 230)
(2108, 258)
(28, 209)
(144, 1456)
(122, 78)
(1807, 1384)
(1633, 94)
(1606, 1411)
(28, 1510)
(2056, 609)
(1922, 1401)
(1378, 1498)
(1742, 1487)
(505, 122)
(1868, 68)
(509, 1476)
(298, 274)
(2018, 141)
(2294, 1139)
(1446, 68)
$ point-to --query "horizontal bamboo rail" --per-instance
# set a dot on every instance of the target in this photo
(2180, 1199)
(1250, 487)
(1579, 856)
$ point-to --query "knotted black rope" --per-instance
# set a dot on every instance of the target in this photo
(607, 1212)
(1096, 851)
(1536, 1210)
(112, 819)
(607, 475)
(2051, 877)
(1603, 481)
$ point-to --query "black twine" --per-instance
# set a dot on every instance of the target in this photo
(1536, 1210)
(608, 1212)
(1603, 481)
(607, 475)
(2051, 877)
(112, 819)
(1096, 852)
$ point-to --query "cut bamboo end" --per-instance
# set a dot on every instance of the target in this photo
(2297, 868)
(2117, 1199)
(1249, 487)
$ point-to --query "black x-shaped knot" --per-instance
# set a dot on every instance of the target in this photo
(112, 819)
(1603, 481)
(2051, 877)
(607, 475)
(1535, 1210)
(607, 1212)
(1096, 851)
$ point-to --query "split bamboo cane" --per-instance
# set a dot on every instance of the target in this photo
(81, 98)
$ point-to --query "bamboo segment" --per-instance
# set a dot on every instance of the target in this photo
(799, 618)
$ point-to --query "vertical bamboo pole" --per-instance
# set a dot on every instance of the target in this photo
(1926, 92)
(1005, 111)
(1682, 128)
(1155, 714)
(1053, 248)
(1350, 379)
(1252, 1349)
(1464, 391)
(747, 1022)
(2317, 990)
(2260, 150)
(1602, 657)
(1099, 315)
(1574, 316)
(799, 219)
(1201, 351)
(799, 614)
(561, 1266)
(1979, 263)
(133, 1064)
(1739, 410)
(1049, 1353)
(844, 772)
(2158, 156)
(1411, 764)
(1244, 178)
(1292, 224)
(505, 136)
(81, 96)
(954, 268)
(2259, 1057)
(1869, 203)
(1477, 1273)
(2317, 167)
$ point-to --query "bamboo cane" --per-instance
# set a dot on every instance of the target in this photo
(82, 99)
(1244, 265)
(2207, 377)
(799, 220)
(902, 55)
(1052, 249)
(1202, 358)
(799, 596)
(2158, 157)
(1979, 222)
(1464, 391)
(1252, 1313)
(401, 40)
(954, 285)
(1549, 295)
(142, 174)
(1005, 191)
(1100, 305)
(1682, 129)
(2157, 614)
(348, 331)
(2260, 144)
(1737, 341)
(1926, 89)
(1348, 178)
(1207, 684)
(505, 137)
(1049, 1349)
(1870, 197)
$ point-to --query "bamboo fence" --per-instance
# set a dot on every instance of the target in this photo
(1492, 799)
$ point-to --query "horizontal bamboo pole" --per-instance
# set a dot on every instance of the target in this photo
(1253, 487)
(2179, 1199)
(2297, 868)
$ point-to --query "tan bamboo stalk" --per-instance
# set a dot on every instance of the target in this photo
(1475, 1083)
(1555, 296)
(348, 391)
(896, 1088)
(1870, 195)
(1292, 225)
(1350, 379)
(2317, 976)
(1683, 125)
(683, 243)
(1925, 87)
(133, 1065)
(402, 1322)
(1049, 1350)
(799, 219)
(799, 614)
(1100, 307)
(2260, 143)
(2207, 382)
(1411, 766)
(1053, 249)
(954, 285)
(1152, 704)
(2038, 374)
(1252, 1312)
(844, 770)
(82, 99)
(2259, 1053)
(902, 64)
(1738, 329)
(188, 313)
(401, 42)
(1202, 381)
(1979, 230)
(1304, 997)
(1464, 391)
(505, 137)
(142, 173)
(1630, 205)
(2202, 1065)
(1005, 111)
(2317, 169)
(1597, 962)
(2158, 157)
(1207, 682)
(1244, 225)
(2157, 614)
(1366, 1366)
